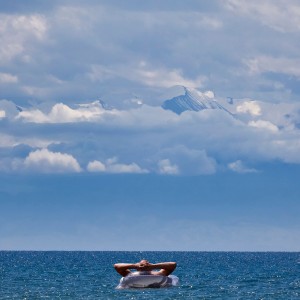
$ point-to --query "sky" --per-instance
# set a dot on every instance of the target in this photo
(89, 160)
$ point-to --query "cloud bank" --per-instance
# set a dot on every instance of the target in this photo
(58, 56)
(92, 137)
(73, 51)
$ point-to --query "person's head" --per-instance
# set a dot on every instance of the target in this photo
(143, 265)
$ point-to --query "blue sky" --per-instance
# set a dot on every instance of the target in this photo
(76, 175)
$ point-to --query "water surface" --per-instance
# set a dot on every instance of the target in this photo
(203, 275)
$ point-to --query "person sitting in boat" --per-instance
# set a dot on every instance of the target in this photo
(144, 267)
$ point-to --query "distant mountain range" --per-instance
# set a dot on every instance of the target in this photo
(285, 115)
(192, 100)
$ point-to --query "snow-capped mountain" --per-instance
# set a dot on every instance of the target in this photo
(193, 100)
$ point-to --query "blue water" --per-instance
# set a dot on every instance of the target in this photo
(203, 275)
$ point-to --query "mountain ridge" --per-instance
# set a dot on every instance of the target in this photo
(192, 100)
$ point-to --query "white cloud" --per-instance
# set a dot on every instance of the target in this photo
(239, 167)
(284, 115)
(16, 31)
(8, 78)
(35, 116)
(166, 167)
(112, 166)
(144, 115)
(51, 162)
(33, 24)
(165, 78)
(250, 107)
(188, 46)
(96, 166)
(281, 15)
(2, 113)
(263, 125)
(286, 150)
(186, 159)
(146, 74)
(10, 141)
(61, 113)
(125, 168)
(209, 94)
(261, 64)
